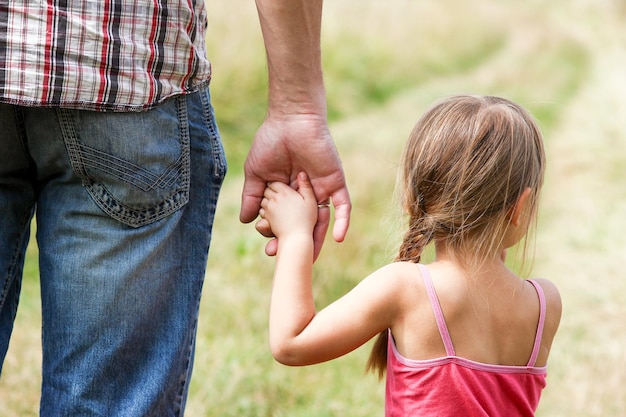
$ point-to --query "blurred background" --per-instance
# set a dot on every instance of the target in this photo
(385, 63)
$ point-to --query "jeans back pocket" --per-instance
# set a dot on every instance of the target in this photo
(135, 165)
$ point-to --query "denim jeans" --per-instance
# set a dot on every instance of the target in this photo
(124, 205)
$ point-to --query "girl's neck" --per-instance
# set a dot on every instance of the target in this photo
(471, 264)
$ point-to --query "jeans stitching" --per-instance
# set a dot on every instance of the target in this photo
(143, 179)
(82, 156)
(71, 143)
(219, 157)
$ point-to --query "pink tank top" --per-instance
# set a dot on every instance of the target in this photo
(454, 386)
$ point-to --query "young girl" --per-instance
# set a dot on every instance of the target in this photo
(462, 336)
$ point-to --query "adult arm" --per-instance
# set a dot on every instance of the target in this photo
(294, 136)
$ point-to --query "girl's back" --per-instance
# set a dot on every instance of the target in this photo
(498, 342)
(491, 318)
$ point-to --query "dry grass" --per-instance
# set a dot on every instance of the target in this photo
(564, 60)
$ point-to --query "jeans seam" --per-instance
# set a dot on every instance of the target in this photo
(219, 160)
(186, 375)
(11, 271)
(71, 143)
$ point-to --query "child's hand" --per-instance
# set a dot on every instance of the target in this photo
(290, 212)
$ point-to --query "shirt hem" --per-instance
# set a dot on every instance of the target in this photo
(103, 107)
(467, 363)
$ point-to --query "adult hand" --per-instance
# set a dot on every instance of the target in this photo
(295, 136)
(288, 144)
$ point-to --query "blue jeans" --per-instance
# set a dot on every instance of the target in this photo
(124, 204)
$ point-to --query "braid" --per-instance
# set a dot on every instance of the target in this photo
(416, 238)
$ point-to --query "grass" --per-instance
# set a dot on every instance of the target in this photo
(385, 62)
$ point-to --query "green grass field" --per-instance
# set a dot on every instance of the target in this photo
(385, 62)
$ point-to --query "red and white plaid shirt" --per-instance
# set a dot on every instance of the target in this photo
(117, 55)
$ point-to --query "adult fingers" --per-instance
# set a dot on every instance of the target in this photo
(271, 248)
(320, 229)
(343, 208)
(263, 227)
(251, 197)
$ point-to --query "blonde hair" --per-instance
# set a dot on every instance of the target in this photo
(466, 163)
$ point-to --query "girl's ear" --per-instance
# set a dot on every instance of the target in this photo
(515, 214)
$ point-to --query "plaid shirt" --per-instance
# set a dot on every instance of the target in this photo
(120, 55)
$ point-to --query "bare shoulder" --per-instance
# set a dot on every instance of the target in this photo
(554, 305)
(553, 297)
(397, 278)
(405, 280)
(402, 273)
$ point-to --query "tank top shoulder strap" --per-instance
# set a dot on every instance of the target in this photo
(434, 301)
(540, 324)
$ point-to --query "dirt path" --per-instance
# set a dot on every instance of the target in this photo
(584, 232)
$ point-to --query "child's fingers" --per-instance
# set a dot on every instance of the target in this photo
(304, 186)
(268, 193)
(264, 203)
(276, 187)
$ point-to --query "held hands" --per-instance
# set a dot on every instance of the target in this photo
(288, 212)
(284, 146)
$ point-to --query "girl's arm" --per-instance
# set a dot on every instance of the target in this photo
(291, 215)
(299, 335)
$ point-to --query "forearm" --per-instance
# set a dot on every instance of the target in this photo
(291, 32)
(292, 305)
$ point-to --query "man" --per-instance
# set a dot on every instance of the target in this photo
(109, 137)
